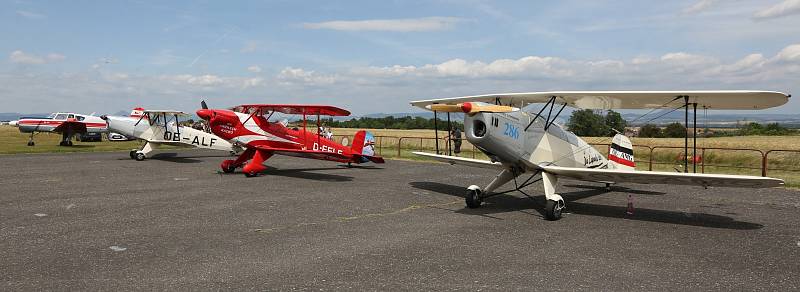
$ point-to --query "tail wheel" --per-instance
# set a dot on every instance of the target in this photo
(552, 209)
(139, 156)
(473, 198)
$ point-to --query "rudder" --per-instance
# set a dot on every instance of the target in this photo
(620, 154)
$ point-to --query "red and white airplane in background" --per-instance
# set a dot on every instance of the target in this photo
(248, 126)
(68, 124)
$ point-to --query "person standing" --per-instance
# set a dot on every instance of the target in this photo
(455, 136)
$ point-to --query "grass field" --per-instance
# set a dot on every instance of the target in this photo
(781, 164)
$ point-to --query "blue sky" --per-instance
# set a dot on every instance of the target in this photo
(375, 56)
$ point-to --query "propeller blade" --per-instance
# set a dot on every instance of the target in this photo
(471, 108)
(447, 108)
(203, 104)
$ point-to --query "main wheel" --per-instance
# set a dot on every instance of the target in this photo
(139, 156)
(250, 174)
(30, 143)
(69, 143)
(227, 166)
(63, 143)
(132, 154)
(473, 198)
(552, 210)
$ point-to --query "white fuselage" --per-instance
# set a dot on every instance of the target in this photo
(503, 137)
(28, 125)
(171, 133)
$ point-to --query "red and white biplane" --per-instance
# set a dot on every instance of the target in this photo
(249, 126)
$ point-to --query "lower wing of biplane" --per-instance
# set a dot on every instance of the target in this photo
(627, 176)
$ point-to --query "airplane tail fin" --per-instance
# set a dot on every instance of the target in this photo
(137, 112)
(364, 147)
(620, 154)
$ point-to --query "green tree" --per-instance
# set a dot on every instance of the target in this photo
(614, 121)
(675, 130)
(650, 131)
(587, 123)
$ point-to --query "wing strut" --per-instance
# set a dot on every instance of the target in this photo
(548, 121)
(436, 130)
(449, 130)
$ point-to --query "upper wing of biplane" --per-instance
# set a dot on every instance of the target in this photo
(709, 99)
(167, 112)
(294, 109)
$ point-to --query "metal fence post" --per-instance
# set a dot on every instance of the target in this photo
(399, 142)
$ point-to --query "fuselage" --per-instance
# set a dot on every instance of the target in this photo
(503, 137)
(251, 131)
(37, 124)
(161, 131)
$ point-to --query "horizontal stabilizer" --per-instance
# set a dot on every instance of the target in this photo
(463, 161)
(667, 178)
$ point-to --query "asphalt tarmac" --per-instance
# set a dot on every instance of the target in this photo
(101, 221)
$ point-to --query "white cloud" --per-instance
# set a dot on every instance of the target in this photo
(21, 57)
(785, 8)
(398, 25)
(254, 69)
(30, 15)
(369, 89)
(290, 75)
(789, 54)
(699, 6)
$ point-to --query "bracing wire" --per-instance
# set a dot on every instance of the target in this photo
(606, 139)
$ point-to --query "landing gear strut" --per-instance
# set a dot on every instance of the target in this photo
(474, 196)
(30, 141)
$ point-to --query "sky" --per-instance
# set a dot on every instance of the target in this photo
(375, 56)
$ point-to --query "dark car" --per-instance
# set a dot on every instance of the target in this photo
(89, 137)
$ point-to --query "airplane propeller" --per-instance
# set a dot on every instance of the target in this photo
(471, 108)
(205, 113)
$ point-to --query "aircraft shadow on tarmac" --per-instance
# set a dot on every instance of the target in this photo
(508, 202)
(306, 173)
(174, 157)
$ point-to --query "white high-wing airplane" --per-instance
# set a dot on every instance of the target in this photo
(520, 138)
(161, 127)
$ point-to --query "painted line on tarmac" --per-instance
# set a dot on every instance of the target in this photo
(358, 217)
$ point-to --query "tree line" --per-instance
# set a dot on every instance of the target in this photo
(587, 123)
(391, 122)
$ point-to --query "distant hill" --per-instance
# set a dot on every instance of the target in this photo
(16, 116)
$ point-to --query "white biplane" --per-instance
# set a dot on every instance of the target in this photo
(162, 127)
(520, 136)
